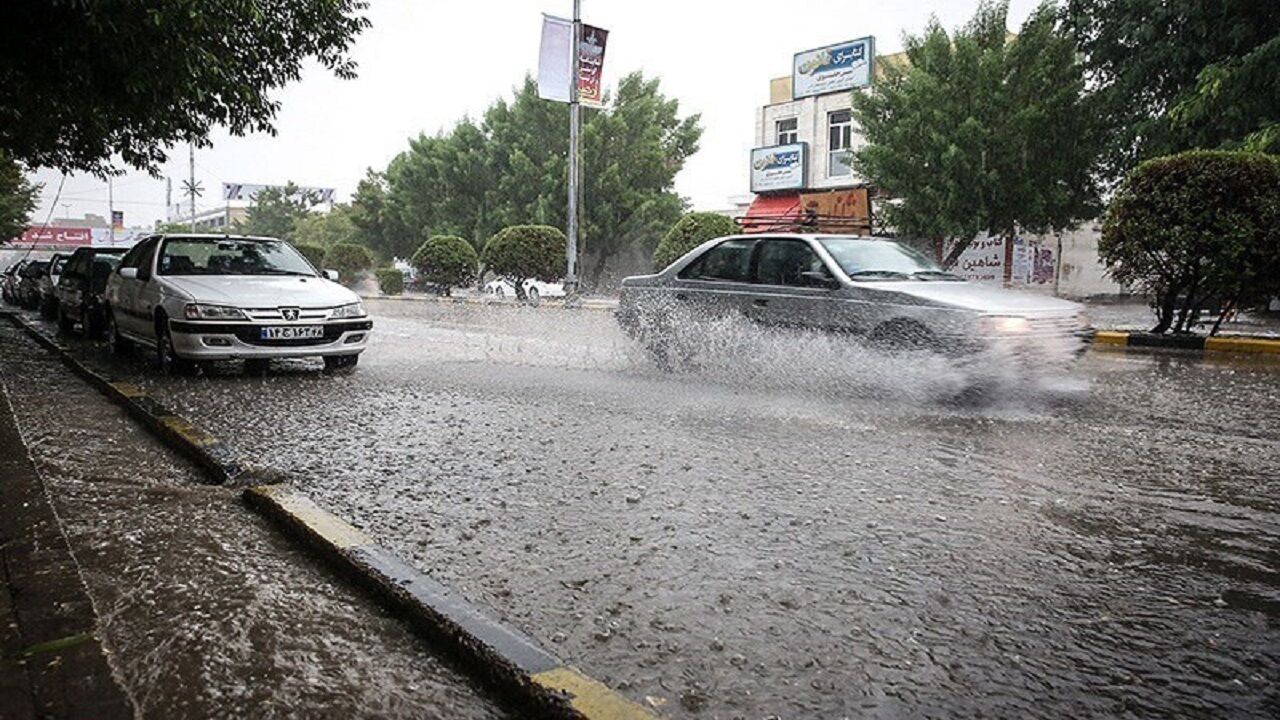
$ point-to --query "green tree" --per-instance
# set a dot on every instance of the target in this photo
(349, 259)
(446, 260)
(17, 198)
(1171, 75)
(313, 253)
(275, 212)
(390, 281)
(981, 131)
(688, 233)
(1195, 229)
(376, 226)
(82, 82)
(325, 229)
(511, 169)
(526, 252)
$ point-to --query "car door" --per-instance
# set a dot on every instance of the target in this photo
(793, 287)
(124, 291)
(70, 290)
(716, 284)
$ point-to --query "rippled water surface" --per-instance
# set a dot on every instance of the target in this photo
(797, 527)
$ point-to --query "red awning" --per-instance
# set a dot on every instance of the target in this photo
(771, 212)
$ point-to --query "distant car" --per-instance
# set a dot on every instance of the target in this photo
(28, 291)
(81, 292)
(227, 297)
(47, 284)
(9, 281)
(884, 293)
(535, 290)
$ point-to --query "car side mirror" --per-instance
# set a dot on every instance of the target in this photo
(130, 272)
(817, 278)
(331, 275)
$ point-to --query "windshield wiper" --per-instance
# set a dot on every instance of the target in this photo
(938, 274)
(273, 271)
(885, 274)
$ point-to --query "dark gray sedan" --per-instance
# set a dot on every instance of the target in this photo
(876, 289)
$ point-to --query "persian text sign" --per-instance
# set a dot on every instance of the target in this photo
(780, 167)
(834, 68)
(55, 237)
(246, 191)
(591, 66)
(555, 62)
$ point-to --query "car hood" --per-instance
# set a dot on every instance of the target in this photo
(248, 291)
(979, 298)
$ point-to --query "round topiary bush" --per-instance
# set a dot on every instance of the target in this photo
(349, 259)
(313, 253)
(688, 233)
(446, 260)
(523, 252)
(390, 281)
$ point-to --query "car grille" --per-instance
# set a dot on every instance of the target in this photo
(273, 314)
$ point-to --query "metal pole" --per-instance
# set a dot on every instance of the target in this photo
(191, 169)
(571, 251)
(111, 209)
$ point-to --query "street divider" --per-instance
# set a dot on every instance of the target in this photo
(214, 457)
(1229, 344)
(500, 655)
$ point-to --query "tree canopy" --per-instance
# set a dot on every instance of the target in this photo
(688, 233)
(511, 167)
(981, 131)
(524, 252)
(276, 212)
(1171, 75)
(1196, 229)
(446, 260)
(82, 82)
(17, 199)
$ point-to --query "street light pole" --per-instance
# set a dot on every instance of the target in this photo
(111, 209)
(571, 250)
(191, 169)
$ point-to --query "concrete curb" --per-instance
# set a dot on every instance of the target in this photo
(500, 655)
(1245, 345)
(218, 461)
(595, 305)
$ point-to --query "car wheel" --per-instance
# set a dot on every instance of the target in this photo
(533, 295)
(65, 323)
(119, 343)
(902, 336)
(166, 356)
(340, 362)
(93, 322)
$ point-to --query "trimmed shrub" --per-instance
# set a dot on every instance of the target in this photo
(390, 281)
(313, 253)
(446, 260)
(349, 259)
(523, 252)
(1195, 230)
(688, 233)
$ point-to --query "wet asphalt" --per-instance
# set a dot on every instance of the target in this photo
(797, 528)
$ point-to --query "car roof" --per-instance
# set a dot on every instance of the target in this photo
(219, 236)
(807, 236)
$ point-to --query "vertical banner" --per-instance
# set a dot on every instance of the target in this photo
(554, 61)
(117, 219)
(591, 66)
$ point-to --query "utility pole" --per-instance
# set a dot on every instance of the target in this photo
(168, 198)
(571, 251)
(111, 209)
(191, 181)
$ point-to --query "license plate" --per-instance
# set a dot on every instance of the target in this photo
(293, 332)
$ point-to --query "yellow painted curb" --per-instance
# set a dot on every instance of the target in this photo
(1108, 337)
(1242, 345)
(327, 526)
(128, 390)
(186, 430)
(590, 698)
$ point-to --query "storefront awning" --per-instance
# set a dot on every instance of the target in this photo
(771, 212)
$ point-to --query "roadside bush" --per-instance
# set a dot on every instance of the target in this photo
(313, 253)
(688, 233)
(446, 260)
(1194, 230)
(390, 281)
(523, 252)
(349, 259)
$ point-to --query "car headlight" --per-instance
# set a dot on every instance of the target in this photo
(354, 310)
(1006, 324)
(199, 311)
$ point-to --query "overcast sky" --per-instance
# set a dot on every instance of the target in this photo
(424, 64)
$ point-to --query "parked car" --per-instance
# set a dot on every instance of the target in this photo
(81, 292)
(887, 294)
(534, 290)
(225, 297)
(28, 292)
(47, 299)
(9, 282)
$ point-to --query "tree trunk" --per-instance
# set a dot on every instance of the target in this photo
(596, 272)
(1227, 307)
(1164, 311)
(953, 257)
(519, 289)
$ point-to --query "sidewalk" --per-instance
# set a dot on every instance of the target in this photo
(52, 663)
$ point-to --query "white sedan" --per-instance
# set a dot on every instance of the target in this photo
(535, 290)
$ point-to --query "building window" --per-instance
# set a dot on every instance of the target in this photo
(786, 131)
(839, 138)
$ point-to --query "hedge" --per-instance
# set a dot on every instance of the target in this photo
(688, 233)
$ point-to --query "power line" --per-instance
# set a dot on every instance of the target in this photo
(52, 206)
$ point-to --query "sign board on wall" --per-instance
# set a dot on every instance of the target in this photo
(55, 237)
(779, 167)
(1031, 263)
(834, 68)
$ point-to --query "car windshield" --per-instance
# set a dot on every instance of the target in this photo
(231, 256)
(868, 259)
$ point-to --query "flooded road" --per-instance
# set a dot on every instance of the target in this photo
(803, 530)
